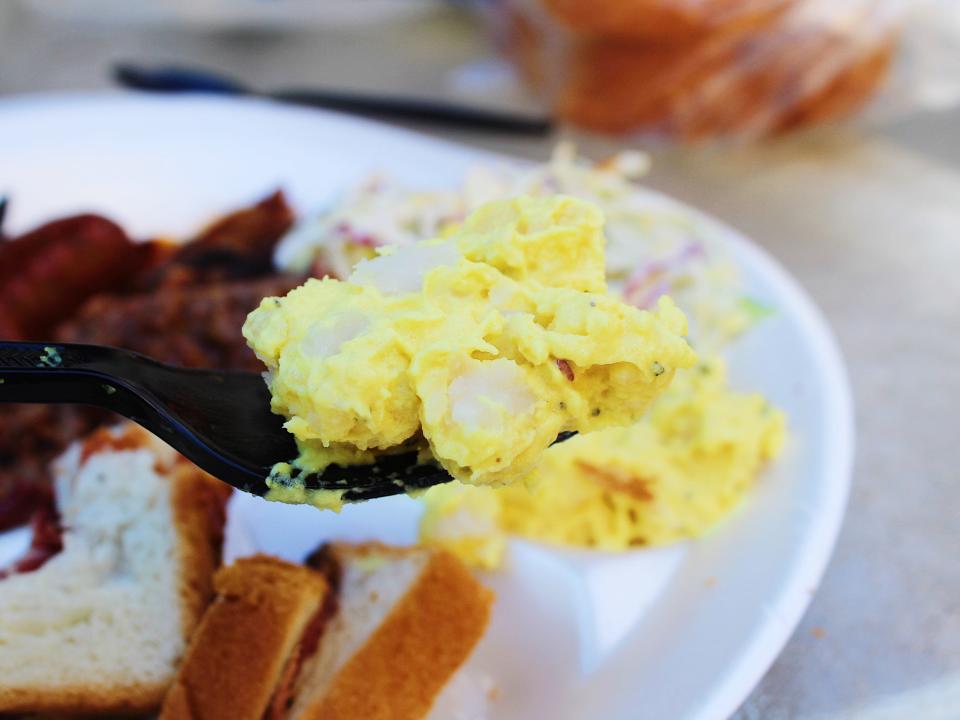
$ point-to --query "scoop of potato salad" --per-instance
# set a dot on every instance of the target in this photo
(671, 476)
(482, 346)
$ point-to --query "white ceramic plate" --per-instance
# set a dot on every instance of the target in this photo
(679, 632)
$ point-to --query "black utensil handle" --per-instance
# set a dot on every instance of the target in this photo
(4, 203)
(419, 109)
(42, 357)
(61, 373)
(173, 79)
(110, 378)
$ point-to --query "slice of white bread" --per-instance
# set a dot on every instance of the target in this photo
(101, 626)
(248, 641)
(406, 621)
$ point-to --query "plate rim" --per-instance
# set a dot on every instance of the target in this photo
(795, 595)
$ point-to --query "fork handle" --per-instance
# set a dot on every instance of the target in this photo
(117, 380)
(63, 373)
(105, 377)
(42, 357)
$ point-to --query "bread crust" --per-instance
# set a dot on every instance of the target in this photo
(420, 644)
(238, 654)
(199, 513)
(88, 700)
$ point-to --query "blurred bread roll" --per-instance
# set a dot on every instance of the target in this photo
(806, 63)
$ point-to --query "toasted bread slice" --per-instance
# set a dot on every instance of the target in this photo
(100, 627)
(407, 619)
(263, 610)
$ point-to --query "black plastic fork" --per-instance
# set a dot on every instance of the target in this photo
(220, 420)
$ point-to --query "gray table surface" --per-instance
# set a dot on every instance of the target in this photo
(869, 221)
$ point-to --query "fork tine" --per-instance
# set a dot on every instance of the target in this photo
(391, 474)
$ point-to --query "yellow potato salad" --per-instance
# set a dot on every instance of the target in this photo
(669, 477)
(480, 347)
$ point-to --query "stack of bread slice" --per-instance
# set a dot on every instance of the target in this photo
(128, 612)
(371, 632)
